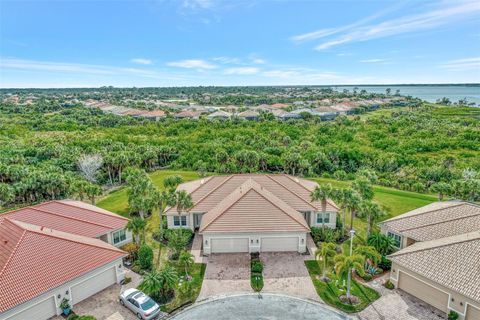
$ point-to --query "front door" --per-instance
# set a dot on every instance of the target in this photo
(306, 215)
(197, 219)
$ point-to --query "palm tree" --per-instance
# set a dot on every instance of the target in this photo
(325, 252)
(370, 254)
(351, 200)
(372, 212)
(338, 195)
(345, 264)
(137, 226)
(164, 200)
(93, 191)
(183, 201)
(7, 194)
(158, 283)
(322, 193)
(382, 243)
(186, 260)
(171, 182)
(364, 188)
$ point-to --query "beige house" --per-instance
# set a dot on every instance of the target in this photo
(444, 272)
(439, 260)
(253, 212)
(433, 221)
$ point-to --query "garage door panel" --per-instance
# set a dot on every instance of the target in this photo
(93, 285)
(41, 311)
(269, 244)
(229, 245)
(423, 291)
(472, 313)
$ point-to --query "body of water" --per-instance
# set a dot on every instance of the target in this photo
(430, 93)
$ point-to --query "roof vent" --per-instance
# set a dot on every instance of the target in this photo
(41, 228)
(5, 242)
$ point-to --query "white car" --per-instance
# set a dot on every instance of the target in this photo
(141, 304)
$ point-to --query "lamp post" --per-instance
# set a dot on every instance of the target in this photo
(349, 279)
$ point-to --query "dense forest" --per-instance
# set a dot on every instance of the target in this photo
(52, 150)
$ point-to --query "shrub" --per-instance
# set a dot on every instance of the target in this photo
(452, 315)
(367, 277)
(77, 317)
(131, 249)
(127, 280)
(256, 282)
(389, 285)
(145, 257)
(385, 264)
(257, 267)
(167, 233)
(178, 240)
(320, 234)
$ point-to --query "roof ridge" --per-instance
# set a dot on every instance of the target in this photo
(73, 218)
(57, 236)
(16, 245)
(443, 221)
(442, 243)
(201, 184)
(291, 191)
(329, 201)
(111, 214)
(258, 188)
(405, 216)
(214, 189)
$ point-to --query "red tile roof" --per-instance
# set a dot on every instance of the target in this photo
(36, 259)
(70, 216)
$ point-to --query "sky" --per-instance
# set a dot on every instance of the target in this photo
(122, 43)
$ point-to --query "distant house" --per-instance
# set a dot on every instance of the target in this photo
(284, 115)
(153, 115)
(253, 212)
(133, 112)
(187, 114)
(219, 115)
(57, 250)
(249, 115)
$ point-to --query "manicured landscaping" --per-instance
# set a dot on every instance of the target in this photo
(331, 291)
(256, 273)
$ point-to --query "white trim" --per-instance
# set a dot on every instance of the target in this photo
(465, 309)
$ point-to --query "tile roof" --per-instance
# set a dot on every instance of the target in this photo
(452, 262)
(70, 216)
(292, 190)
(36, 259)
(437, 220)
(250, 207)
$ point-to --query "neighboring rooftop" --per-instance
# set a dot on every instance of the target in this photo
(35, 259)
(452, 262)
(69, 216)
(437, 220)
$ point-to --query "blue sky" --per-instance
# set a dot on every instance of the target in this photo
(66, 43)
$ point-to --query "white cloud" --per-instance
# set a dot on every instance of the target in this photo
(75, 68)
(373, 60)
(462, 64)
(194, 4)
(141, 61)
(258, 61)
(446, 13)
(242, 70)
(227, 60)
(192, 64)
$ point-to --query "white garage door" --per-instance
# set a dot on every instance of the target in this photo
(423, 291)
(279, 244)
(41, 311)
(226, 245)
(93, 285)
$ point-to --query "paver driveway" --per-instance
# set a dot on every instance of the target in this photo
(286, 273)
(226, 273)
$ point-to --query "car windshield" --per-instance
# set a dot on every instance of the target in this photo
(147, 304)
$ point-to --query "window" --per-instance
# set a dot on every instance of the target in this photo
(323, 217)
(180, 221)
(119, 236)
(397, 238)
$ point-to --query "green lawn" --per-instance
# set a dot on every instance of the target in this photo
(394, 201)
(330, 293)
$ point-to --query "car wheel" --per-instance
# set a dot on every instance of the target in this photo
(122, 303)
(139, 316)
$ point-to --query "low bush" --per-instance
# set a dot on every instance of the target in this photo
(257, 267)
(127, 280)
(367, 277)
(452, 315)
(167, 234)
(178, 240)
(320, 234)
(131, 249)
(145, 257)
(256, 281)
(77, 317)
(389, 285)
(385, 264)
